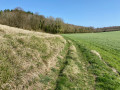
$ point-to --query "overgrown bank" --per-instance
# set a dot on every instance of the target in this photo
(28, 59)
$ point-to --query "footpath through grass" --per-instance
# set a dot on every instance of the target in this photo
(74, 74)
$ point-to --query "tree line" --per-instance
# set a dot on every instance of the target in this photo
(33, 21)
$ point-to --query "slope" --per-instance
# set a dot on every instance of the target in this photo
(28, 59)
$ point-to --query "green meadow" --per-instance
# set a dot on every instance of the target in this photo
(106, 46)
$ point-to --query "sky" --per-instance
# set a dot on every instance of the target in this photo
(96, 13)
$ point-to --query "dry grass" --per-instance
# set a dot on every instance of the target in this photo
(25, 56)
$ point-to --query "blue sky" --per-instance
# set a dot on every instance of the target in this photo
(97, 13)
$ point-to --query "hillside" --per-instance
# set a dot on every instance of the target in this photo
(28, 59)
(35, 22)
(39, 61)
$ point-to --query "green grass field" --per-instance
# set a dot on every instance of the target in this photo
(107, 45)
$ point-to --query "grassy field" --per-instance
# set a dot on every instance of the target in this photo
(106, 46)
(40, 61)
